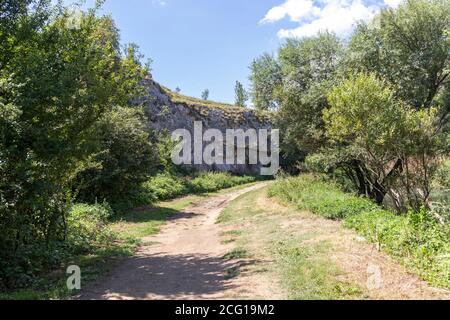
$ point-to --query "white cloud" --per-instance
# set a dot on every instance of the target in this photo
(337, 16)
(295, 9)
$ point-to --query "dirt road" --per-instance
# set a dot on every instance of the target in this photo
(184, 261)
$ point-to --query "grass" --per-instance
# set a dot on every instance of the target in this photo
(303, 267)
(321, 197)
(416, 239)
(307, 272)
(147, 221)
(235, 254)
(178, 98)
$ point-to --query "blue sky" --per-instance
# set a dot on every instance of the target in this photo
(199, 44)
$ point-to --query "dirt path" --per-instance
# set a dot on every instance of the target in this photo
(184, 261)
(347, 260)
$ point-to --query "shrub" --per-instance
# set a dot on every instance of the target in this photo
(163, 187)
(168, 185)
(213, 181)
(125, 160)
(87, 225)
(86, 232)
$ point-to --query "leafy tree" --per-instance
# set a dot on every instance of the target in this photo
(265, 78)
(309, 68)
(177, 90)
(56, 82)
(205, 94)
(241, 95)
(408, 47)
(125, 160)
(386, 147)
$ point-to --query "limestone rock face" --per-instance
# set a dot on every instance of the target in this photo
(168, 111)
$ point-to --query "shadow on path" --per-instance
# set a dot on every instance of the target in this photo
(172, 277)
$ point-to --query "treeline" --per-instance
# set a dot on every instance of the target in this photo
(372, 109)
(72, 129)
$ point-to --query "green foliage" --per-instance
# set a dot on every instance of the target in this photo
(309, 68)
(417, 239)
(205, 94)
(58, 82)
(210, 181)
(320, 196)
(164, 186)
(363, 111)
(241, 95)
(376, 110)
(382, 142)
(167, 185)
(87, 226)
(86, 232)
(265, 78)
(407, 46)
(126, 157)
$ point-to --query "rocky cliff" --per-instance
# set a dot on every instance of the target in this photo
(169, 111)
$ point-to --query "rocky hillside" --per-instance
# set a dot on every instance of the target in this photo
(169, 111)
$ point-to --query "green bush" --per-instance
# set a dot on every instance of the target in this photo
(126, 158)
(167, 185)
(416, 238)
(87, 226)
(213, 181)
(164, 186)
(87, 231)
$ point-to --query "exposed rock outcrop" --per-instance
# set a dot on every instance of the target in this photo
(169, 111)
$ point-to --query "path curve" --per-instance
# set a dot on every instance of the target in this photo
(185, 263)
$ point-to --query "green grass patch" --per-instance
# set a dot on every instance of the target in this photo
(238, 253)
(324, 198)
(308, 273)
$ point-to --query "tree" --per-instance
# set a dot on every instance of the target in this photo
(205, 94)
(56, 82)
(384, 146)
(408, 47)
(241, 95)
(125, 159)
(309, 69)
(177, 90)
(265, 79)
